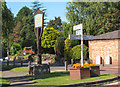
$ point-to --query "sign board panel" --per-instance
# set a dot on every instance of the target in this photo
(78, 32)
(98, 60)
(38, 20)
(78, 37)
(77, 27)
(107, 59)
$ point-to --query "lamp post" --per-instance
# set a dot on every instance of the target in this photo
(38, 23)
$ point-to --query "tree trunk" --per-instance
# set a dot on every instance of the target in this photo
(7, 44)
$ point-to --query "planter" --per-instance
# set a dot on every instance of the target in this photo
(80, 73)
(94, 71)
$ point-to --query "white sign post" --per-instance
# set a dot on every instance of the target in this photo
(79, 29)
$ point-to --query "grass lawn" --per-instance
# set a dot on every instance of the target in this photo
(20, 69)
(63, 78)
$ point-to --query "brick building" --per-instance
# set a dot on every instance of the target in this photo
(105, 48)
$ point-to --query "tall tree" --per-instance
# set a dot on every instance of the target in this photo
(67, 29)
(7, 26)
(26, 30)
(96, 17)
(56, 23)
(23, 12)
(15, 34)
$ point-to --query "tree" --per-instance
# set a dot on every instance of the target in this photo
(26, 30)
(76, 52)
(23, 12)
(15, 34)
(7, 26)
(96, 17)
(49, 37)
(59, 46)
(59, 50)
(56, 23)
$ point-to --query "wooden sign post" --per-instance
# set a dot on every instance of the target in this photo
(38, 21)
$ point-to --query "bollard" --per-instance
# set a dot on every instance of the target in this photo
(7, 62)
(66, 68)
(13, 63)
(21, 63)
(49, 66)
(29, 65)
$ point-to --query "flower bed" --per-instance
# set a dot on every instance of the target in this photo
(85, 71)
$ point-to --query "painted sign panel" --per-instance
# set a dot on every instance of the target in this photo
(77, 27)
(78, 37)
(38, 20)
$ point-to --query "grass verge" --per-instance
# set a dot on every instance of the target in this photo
(63, 78)
(20, 69)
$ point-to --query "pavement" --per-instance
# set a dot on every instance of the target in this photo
(17, 79)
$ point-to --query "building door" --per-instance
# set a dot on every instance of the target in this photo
(98, 60)
(108, 60)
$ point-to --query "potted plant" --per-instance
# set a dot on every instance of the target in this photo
(79, 72)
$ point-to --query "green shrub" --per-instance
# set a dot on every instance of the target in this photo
(49, 37)
(67, 49)
(53, 57)
(76, 52)
(16, 47)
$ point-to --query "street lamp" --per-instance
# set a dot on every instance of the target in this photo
(38, 28)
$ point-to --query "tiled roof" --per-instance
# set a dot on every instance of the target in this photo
(109, 35)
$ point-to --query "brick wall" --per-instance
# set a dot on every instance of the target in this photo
(104, 48)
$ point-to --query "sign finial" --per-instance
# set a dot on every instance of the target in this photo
(37, 4)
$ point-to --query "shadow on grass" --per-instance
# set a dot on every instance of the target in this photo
(44, 76)
(19, 81)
